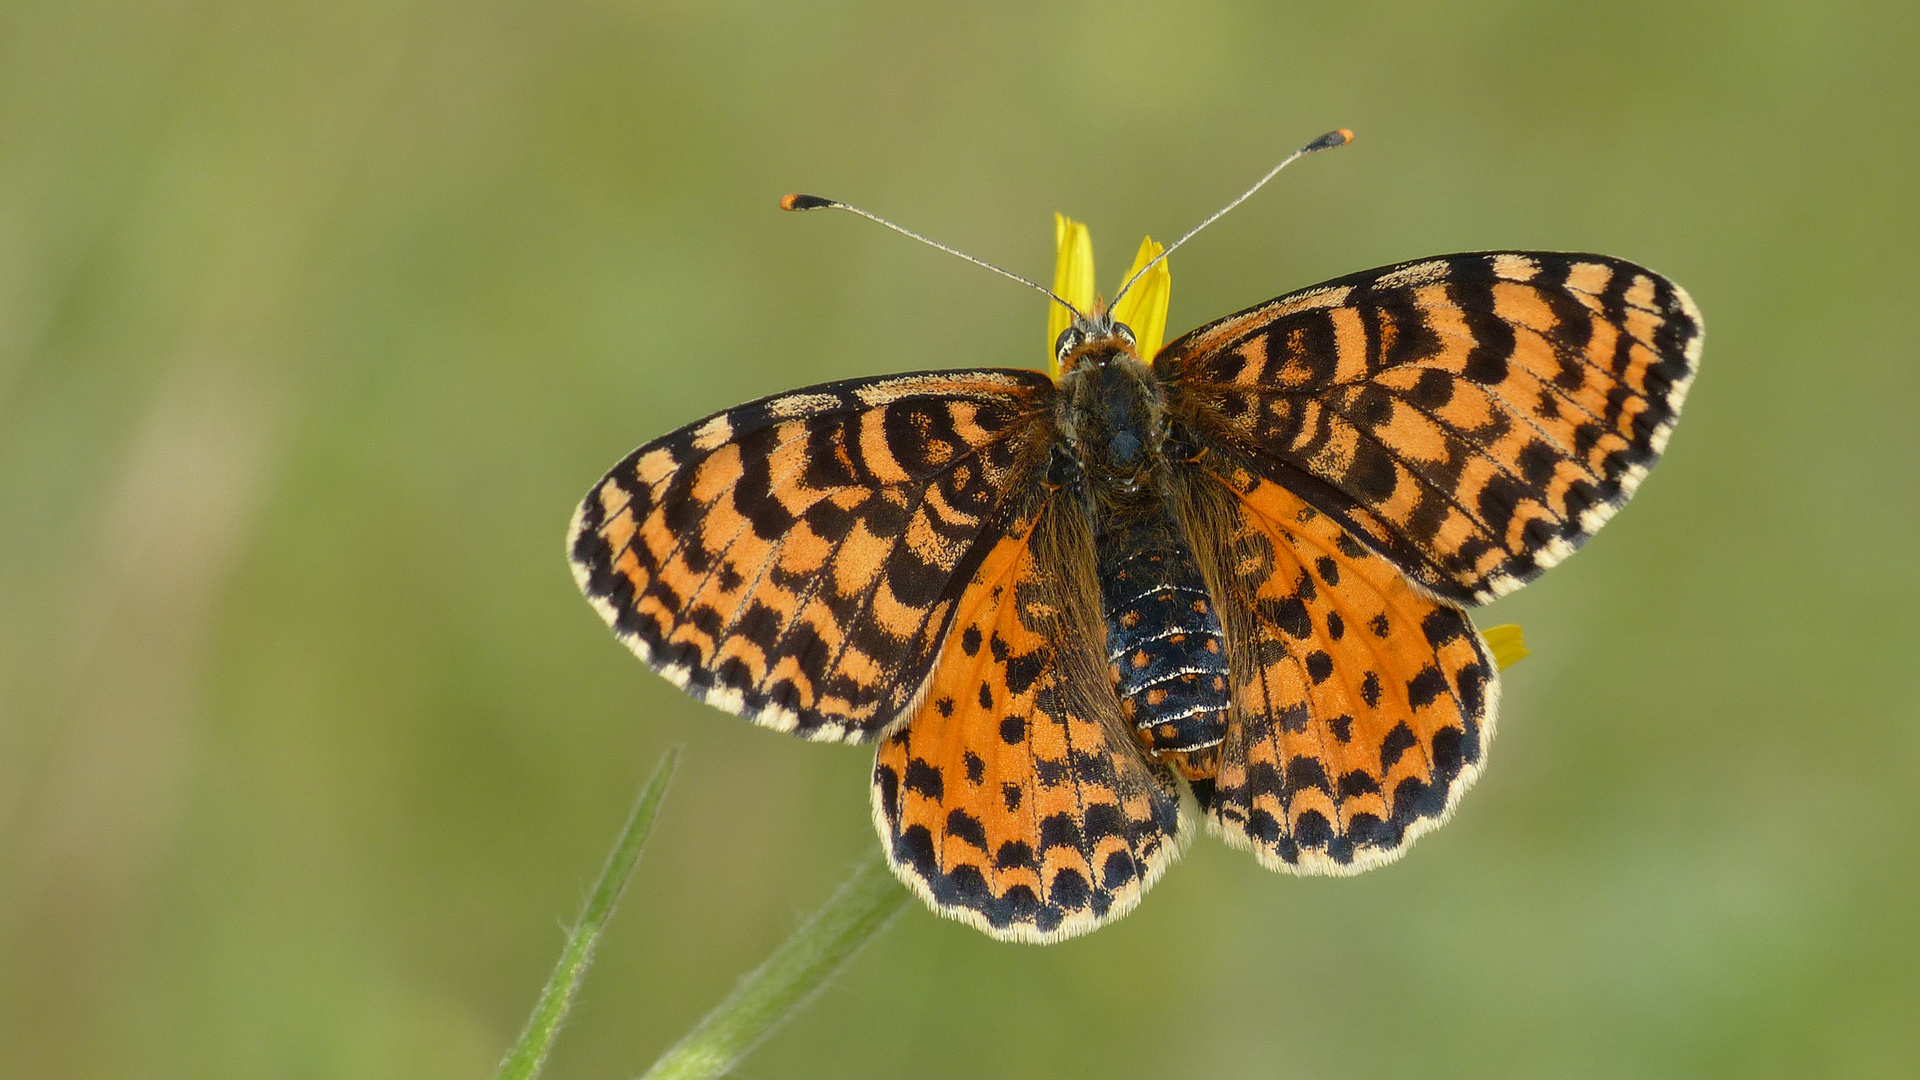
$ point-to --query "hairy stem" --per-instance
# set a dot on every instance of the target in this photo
(528, 1055)
(799, 969)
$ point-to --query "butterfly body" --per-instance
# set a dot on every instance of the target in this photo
(1224, 583)
(1164, 644)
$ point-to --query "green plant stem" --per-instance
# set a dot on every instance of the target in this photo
(798, 970)
(528, 1055)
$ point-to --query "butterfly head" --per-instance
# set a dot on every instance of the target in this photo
(1092, 334)
(1112, 413)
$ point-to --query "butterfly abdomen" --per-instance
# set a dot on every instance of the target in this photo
(1166, 652)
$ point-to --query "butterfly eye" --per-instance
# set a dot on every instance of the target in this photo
(1125, 332)
(1069, 340)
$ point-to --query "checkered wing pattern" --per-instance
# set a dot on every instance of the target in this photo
(798, 560)
(1473, 418)
(1015, 800)
(1363, 707)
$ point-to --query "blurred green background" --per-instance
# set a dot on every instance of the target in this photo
(316, 318)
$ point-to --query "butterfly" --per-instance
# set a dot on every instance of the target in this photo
(1225, 582)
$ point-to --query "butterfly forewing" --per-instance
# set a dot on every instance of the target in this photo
(797, 560)
(1475, 418)
(1363, 707)
(1015, 799)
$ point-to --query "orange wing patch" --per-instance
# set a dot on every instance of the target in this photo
(1475, 418)
(796, 560)
(1363, 709)
(1014, 801)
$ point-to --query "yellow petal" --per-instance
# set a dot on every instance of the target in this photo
(1072, 280)
(1144, 308)
(1509, 647)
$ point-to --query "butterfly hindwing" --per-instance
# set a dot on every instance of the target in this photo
(1363, 707)
(796, 560)
(1015, 800)
(1475, 418)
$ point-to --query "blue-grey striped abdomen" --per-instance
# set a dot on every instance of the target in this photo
(1165, 649)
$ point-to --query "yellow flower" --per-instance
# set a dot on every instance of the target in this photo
(1509, 647)
(1143, 308)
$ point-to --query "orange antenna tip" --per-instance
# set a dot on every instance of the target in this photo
(1328, 141)
(804, 202)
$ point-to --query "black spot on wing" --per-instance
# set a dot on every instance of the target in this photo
(925, 779)
(1426, 686)
(967, 828)
(1398, 741)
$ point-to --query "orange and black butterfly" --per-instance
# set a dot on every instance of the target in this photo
(1225, 581)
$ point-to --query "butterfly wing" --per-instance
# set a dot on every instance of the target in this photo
(1363, 707)
(1015, 800)
(797, 560)
(1474, 418)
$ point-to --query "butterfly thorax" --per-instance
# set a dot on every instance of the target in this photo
(1165, 649)
(1111, 413)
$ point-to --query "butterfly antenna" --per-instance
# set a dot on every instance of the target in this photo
(1325, 142)
(815, 202)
